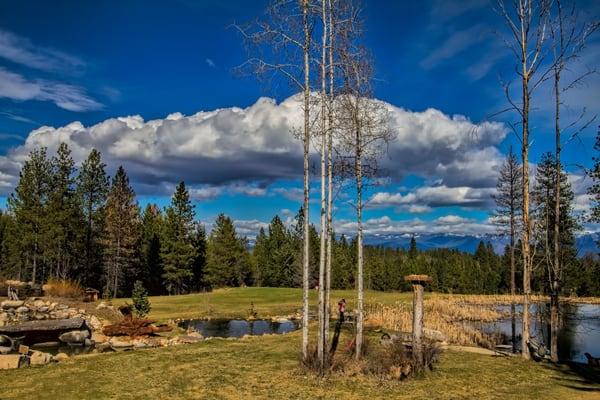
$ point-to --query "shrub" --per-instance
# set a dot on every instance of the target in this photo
(62, 288)
(139, 296)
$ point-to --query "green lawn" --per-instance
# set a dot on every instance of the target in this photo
(267, 368)
(236, 302)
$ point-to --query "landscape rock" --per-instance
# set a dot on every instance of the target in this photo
(11, 361)
(102, 306)
(120, 342)
(87, 342)
(98, 337)
(5, 350)
(3, 318)
(6, 304)
(39, 303)
(103, 347)
(94, 322)
(60, 357)
(39, 358)
(74, 337)
(22, 309)
(193, 337)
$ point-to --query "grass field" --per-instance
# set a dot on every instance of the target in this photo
(267, 302)
(267, 367)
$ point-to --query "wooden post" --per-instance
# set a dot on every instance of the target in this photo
(418, 284)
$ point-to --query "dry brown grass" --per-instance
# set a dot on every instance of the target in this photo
(63, 288)
(452, 317)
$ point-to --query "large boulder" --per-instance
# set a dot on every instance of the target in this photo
(39, 358)
(6, 304)
(74, 337)
(11, 361)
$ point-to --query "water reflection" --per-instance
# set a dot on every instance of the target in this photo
(579, 332)
(237, 327)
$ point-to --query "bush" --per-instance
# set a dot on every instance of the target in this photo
(390, 361)
(139, 296)
(62, 288)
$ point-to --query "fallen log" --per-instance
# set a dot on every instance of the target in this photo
(49, 330)
(134, 327)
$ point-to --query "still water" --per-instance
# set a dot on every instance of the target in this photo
(579, 332)
(237, 327)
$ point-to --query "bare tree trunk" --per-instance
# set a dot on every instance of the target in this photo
(324, 229)
(329, 177)
(359, 240)
(556, 267)
(306, 244)
(525, 161)
(513, 285)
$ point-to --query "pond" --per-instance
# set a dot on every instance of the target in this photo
(238, 327)
(579, 332)
(55, 348)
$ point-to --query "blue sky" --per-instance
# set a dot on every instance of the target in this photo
(438, 65)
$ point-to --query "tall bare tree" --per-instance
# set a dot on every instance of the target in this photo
(527, 21)
(321, 340)
(287, 31)
(364, 133)
(569, 38)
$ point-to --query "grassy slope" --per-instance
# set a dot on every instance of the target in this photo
(266, 367)
(235, 303)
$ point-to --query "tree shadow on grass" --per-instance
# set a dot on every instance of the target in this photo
(577, 376)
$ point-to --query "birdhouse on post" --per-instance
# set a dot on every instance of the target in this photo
(418, 283)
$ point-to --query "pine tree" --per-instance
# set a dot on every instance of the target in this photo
(177, 250)
(261, 257)
(151, 263)
(121, 232)
(92, 188)
(412, 250)
(594, 190)
(509, 200)
(27, 240)
(544, 212)
(139, 297)
(227, 257)
(65, 220)
(199, 264)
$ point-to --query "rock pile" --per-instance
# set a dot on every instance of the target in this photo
(34, 309)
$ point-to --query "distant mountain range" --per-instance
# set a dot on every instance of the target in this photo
(468, 243)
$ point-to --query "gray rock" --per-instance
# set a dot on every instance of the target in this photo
(43, 309)
(39, 358)
(22, 309)
(5, 350)
(74, 337)
(6, 304)
(87, 343)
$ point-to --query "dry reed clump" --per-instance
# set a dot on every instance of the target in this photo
(507, 299)
(392, 361)
(449, 317)
(62, 288)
